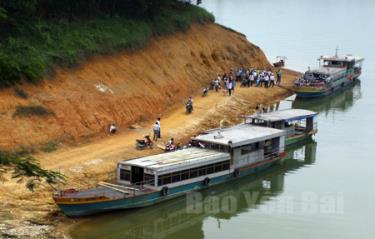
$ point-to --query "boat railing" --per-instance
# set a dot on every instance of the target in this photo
(142, 184)
(271, 154)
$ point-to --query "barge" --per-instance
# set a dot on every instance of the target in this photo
(217, 157)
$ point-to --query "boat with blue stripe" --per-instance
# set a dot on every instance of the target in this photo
(335, 73)
(216, 157)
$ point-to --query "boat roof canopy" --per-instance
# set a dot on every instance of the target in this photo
(284, 115)
(346, 58)
(239, 135)
(178, 160)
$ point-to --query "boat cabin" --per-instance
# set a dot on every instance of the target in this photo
(218, 152)
(174, 168)
(296, 122)
(347, 61)
(247, 144)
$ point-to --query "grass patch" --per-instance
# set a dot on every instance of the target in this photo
(24, 150)
(36, 47)
(31, 110)
(49, 147)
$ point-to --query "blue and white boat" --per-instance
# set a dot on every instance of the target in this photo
(219, 156)
(334, 73)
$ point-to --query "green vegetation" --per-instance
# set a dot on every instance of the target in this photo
(38, 35)
(31, 110)
(50, 146)
(25, 169)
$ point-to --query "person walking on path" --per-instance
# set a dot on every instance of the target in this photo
(156, 131)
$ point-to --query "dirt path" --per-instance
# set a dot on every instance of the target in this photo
(175, 124)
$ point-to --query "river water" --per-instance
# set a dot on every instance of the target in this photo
(325, 188)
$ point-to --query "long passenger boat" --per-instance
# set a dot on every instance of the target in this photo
(335, 73)
(219, 156)
(299, 124)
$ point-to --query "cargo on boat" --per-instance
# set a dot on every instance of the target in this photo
(335, 73)
(299, 124)
(217, 156)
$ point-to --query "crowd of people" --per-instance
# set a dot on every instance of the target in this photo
(246, 78)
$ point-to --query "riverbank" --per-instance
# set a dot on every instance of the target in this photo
(90, 163)
(138, 87)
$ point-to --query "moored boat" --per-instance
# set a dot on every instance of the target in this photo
(299, 124)
(219, 156)
(334, 73)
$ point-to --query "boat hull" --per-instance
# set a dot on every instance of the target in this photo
(311, 92)
(77, 209)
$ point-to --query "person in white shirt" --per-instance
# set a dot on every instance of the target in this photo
(156, 131)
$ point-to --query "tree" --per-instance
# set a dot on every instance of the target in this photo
(3, 14)
(27, 168)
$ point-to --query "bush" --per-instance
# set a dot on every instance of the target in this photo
(36, 47)
(31, 110)
(50, 146)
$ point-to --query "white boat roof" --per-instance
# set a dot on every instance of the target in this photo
(284, 115)
(346, 58)
(239, 135)
(178, 160)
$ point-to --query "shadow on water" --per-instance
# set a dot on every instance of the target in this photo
(340, 101)
(183, 217)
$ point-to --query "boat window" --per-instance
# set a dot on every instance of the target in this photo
(149, 179)
(193, 173)
(124, 175)
(249, 148)
(217, 147)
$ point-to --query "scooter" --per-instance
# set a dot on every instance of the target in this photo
(189, 108)
(144, 143)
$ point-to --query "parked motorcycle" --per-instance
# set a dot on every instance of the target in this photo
(144, 143)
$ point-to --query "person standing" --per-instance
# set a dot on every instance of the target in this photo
(159, 135)
(217, 84)
(272, 80)
(156, 131)
(230, 86)
(279, 74)
(266, 80)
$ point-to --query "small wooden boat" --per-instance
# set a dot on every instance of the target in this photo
(280, 61)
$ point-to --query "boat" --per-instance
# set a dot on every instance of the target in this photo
(334, 73)
(280, 61)
(178, 216)
(299, 124)
(216, 157)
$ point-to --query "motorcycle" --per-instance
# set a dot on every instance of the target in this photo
(141, 144)
(204, 92)
(189, 108)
